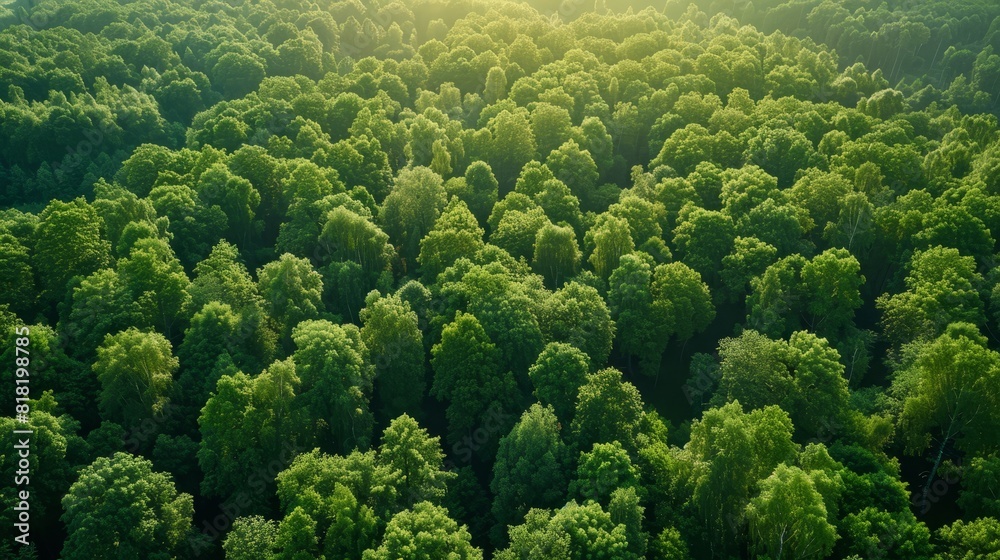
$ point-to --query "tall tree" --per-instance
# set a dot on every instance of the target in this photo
(426, 531)
(336, 383)
(68, 243)
(607, 409)
(392, 336)
(120, 507)
(530, 468)
(293, 292)
(467, 375)
(788, 519)
(415, 461)
(950, 391)
(135, 370)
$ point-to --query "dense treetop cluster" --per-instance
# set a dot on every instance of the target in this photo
(465, 279)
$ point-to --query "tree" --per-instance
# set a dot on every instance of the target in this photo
(481, 189)
(196, 227)
(222, 277)
(979, 478)
(788, 518)
(603, 470)
(703, 238)
(804, 376)
(578, 315)
(557, 255)
(296, 537)
(250, 538)
(235, 196)
(573, 532)
(336, 383)
(68, 243)
(970, 539)
(455, 234)
(157, 283)
(557, 375)
(467, 375)
(213, 334)
(950, 388)
(626, 511)
(120, 506)
(135, 370)
(293, 290)
(681, 301)
(631, 303)
(781, 152)
(607, 409)
(361, 258)
(17, 280)
(896, 535)
(517, 230)
(749, 259)
(609, 239)
(551, 126)
(729, 452)
(576, 168)
(529, 471)
(412, 207)
(831, 283)
(238, 73)
(392, 336)
(348, 497)
(942, 288)
(415, 461)
(247, 422)
(423, 533)
(51, 464)
(512, 144)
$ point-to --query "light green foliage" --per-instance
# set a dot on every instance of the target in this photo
(788, 518)
(573, 532)
(292, 291)
(577, 314)
(135, 370)
(601, 471)
(971, 539)
(557, 375)
(424, 533)
(248, 422)
(392, 336)
(68, 243)
(336, 383)
(942, 288)
(529, 471)
(468, 376)
(950, 388)
(557, 254)
(251, 537)
(608, 241)
(119, 505)
(607, 409)
(411, 208)
(729, 453)
(455, 234)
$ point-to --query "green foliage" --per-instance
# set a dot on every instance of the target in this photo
(424, 532)
(135, 370)
(529, 471)
(336, 383)
(119, 505)
(328, 208)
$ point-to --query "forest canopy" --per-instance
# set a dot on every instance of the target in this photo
(478, 279)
